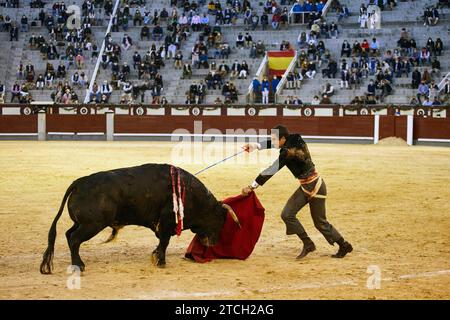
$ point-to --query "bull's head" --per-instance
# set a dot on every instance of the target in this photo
(211, 237)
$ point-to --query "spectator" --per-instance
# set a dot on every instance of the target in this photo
(40, 82)
(315, 101)
(427, 102)
(256, 87)
(264, 21)
(240, 41)
(328, 90)
(145, 33)
(371, 89)
(445, 92)
(157, 33)
(178, 60)
(325, 100)
(265, 87)
(49, 80)
(423, 91)
(346, 50)
(436, 66)
(374, 47)
(15, 91)
(187, 71)
(331, 70)
(14, 33)
(416, 78)
(275, 82)
(24, 24)
(127, 42)
(106, 90)
(438, 46)
(436, 102)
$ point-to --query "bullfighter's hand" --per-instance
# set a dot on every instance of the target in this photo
(250, 147)
(246, 191)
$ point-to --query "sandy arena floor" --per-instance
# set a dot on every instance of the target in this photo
(390, 202)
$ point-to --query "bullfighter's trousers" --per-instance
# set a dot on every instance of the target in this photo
(318, 213)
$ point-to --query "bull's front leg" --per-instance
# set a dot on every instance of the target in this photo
(159, 254)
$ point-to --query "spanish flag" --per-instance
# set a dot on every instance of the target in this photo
(279, 61)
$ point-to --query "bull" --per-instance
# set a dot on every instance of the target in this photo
(143, 196)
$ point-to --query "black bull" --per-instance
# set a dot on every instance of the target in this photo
(141, 196)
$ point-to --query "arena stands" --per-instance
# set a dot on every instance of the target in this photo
(188, 52)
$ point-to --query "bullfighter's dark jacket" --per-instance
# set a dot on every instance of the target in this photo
(294, 154)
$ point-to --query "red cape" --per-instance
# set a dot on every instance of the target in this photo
(234, 243)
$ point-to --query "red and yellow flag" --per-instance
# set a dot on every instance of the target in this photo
(279, 61)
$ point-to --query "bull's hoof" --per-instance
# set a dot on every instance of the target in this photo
(79, 265)
(155, 258)
(157, 261)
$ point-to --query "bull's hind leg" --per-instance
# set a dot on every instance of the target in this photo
(77, 236)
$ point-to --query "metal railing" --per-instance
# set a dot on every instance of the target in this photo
(259, 74)
(442, 83)
(102, 49)
(283, 80)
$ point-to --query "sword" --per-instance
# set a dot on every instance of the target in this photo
(223, 160)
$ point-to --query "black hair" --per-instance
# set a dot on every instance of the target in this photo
(280, 131)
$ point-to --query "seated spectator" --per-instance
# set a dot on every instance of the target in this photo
(445, 92)
(187, 71)
(243, 73)
(438, 46)
(413, 102)
(423, 91)
(203, 60)
(371, 89)
(40, 82)
(374, 47)
(126, 96)
(106, 90)
(331, 70)
(416, 78)
(325, 100)
(328, 90)
(2, 93)
(436, 102)
(311, 71)
(427, 102)
(95, 94)
(235, 69)
(240, 41)
(260, 49)
(346, 49)
(315, 101)
(145, 33)
(127, 42)
(436, 66)
(425, 57)
(157, 33)
(223, 70)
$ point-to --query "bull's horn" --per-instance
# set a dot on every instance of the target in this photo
(232, 214)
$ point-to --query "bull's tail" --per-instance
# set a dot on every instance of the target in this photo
(47, 260)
